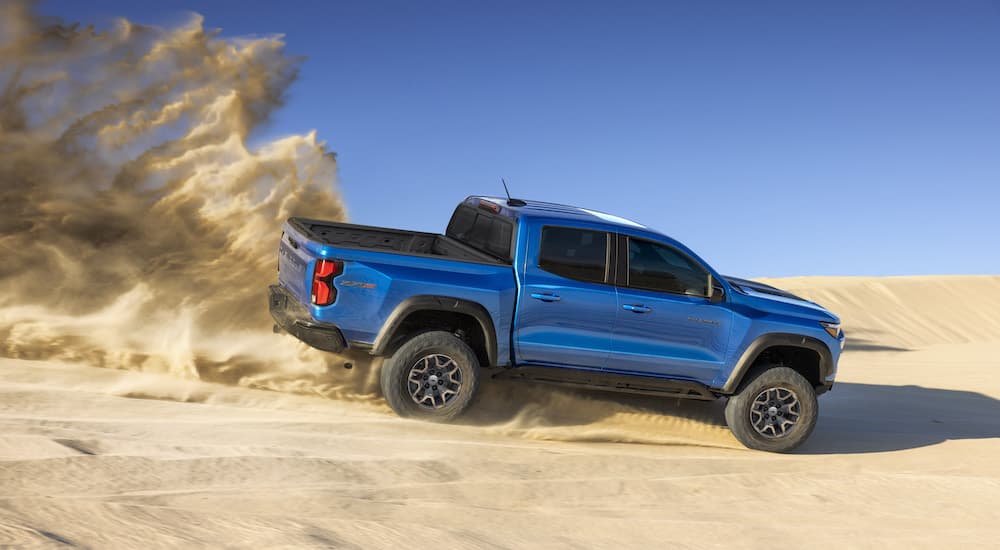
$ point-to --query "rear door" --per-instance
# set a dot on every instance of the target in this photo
(567, 304)
(666, 323)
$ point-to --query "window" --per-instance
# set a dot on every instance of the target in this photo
(482, 230)
(660, 268)
(579, 254)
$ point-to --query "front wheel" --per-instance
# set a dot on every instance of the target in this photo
(774, 411)
(433, 376)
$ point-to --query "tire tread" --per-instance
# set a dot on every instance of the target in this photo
(393, 375)
(738, 413)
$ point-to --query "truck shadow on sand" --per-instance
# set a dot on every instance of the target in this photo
(869, 418)
(854, 418)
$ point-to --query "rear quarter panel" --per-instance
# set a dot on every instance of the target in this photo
(374, 283)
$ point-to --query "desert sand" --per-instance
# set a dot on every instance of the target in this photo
(906, 453)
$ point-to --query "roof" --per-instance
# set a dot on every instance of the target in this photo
(560, 211)
(553, 211)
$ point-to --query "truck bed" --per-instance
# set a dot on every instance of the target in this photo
(362, 237)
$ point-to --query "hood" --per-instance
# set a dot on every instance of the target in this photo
(780, 301)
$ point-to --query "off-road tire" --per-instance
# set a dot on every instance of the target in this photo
(742, 422)
(396, 372)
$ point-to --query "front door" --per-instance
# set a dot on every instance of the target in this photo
(666, 323)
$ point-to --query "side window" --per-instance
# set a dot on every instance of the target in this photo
(660, 268)
(580, 254)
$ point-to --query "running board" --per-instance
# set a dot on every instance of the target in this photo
(607, 381)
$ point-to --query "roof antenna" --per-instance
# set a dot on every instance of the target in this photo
(510, 201)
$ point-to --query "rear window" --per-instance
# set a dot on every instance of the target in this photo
(482, 230)
(580, 254)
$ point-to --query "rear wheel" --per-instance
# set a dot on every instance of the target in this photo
(774, 411)
(432, 376)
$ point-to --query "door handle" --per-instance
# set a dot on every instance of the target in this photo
(636, 308)
(545, 297)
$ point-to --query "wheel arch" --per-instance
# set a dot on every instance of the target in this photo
(781, 343)
(448, 310)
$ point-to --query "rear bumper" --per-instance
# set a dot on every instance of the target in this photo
(292, 317)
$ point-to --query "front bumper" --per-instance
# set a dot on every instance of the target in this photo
(292, 317)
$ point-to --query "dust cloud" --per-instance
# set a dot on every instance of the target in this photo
(138, 228)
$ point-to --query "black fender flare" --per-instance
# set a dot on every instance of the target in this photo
(414, 304)
(765, 341)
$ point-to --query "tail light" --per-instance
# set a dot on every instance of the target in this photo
(323, 291)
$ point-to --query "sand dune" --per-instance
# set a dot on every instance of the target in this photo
(908, 312)
(906, 453)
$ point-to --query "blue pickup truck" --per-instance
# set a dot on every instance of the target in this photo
(556, 294)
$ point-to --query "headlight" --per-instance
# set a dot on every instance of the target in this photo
(833, 329)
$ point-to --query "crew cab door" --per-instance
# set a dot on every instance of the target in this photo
(666, 324)
(567, 304)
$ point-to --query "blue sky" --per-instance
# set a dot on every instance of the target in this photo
(773, 138)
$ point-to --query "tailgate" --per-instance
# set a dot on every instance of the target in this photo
(293, 262)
